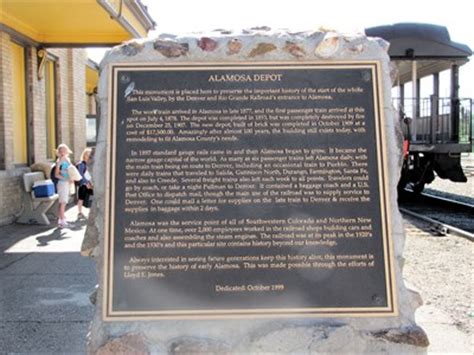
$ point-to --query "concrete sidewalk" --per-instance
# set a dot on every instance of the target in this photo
(44, 289)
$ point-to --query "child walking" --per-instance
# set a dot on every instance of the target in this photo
(85, 184)
(62, 164)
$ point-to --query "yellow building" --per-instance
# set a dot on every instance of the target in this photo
(47, 83)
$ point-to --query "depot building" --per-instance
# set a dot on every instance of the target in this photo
(47, 83)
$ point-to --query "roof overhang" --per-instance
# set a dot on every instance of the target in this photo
(76, 23)
(429, 45)
(419, 41)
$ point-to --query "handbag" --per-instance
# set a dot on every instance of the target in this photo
(87, 176)
(88, 198)
(74, 173)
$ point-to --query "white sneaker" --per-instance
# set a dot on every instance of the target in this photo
(62, 223)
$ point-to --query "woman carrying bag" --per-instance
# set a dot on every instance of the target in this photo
(85, 188)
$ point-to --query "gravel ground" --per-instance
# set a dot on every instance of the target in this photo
(441, 269)
(459, 191)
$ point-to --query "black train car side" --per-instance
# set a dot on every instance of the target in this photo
(436, 129)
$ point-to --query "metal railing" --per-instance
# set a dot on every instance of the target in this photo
(436, 120)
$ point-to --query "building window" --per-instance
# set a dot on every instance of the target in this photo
(20, 128)
(51, 116)
(91, 130)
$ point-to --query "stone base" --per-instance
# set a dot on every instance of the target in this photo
(284, 340)
(391, 335)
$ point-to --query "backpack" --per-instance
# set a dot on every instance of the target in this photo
(54, 179)
(77, 183)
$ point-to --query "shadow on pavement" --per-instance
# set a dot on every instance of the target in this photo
(56, 234)
(45, 288)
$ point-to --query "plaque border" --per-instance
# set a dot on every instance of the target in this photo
(391, 310)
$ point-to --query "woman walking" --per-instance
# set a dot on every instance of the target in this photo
(85, 184)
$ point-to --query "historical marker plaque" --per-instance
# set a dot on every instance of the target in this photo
(246, 190)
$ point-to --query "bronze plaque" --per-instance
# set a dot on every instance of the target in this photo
(247, 191)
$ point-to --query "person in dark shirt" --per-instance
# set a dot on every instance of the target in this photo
(85, 188)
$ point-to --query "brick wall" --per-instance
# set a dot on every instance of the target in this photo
(91, 104)
(10, 177)
(6, 108)
(62, 95)
(77, 76)
(37, 107)
(71, 111)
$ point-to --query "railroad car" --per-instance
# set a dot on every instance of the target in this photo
(436, 129)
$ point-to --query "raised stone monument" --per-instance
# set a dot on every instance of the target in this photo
(246, 198)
